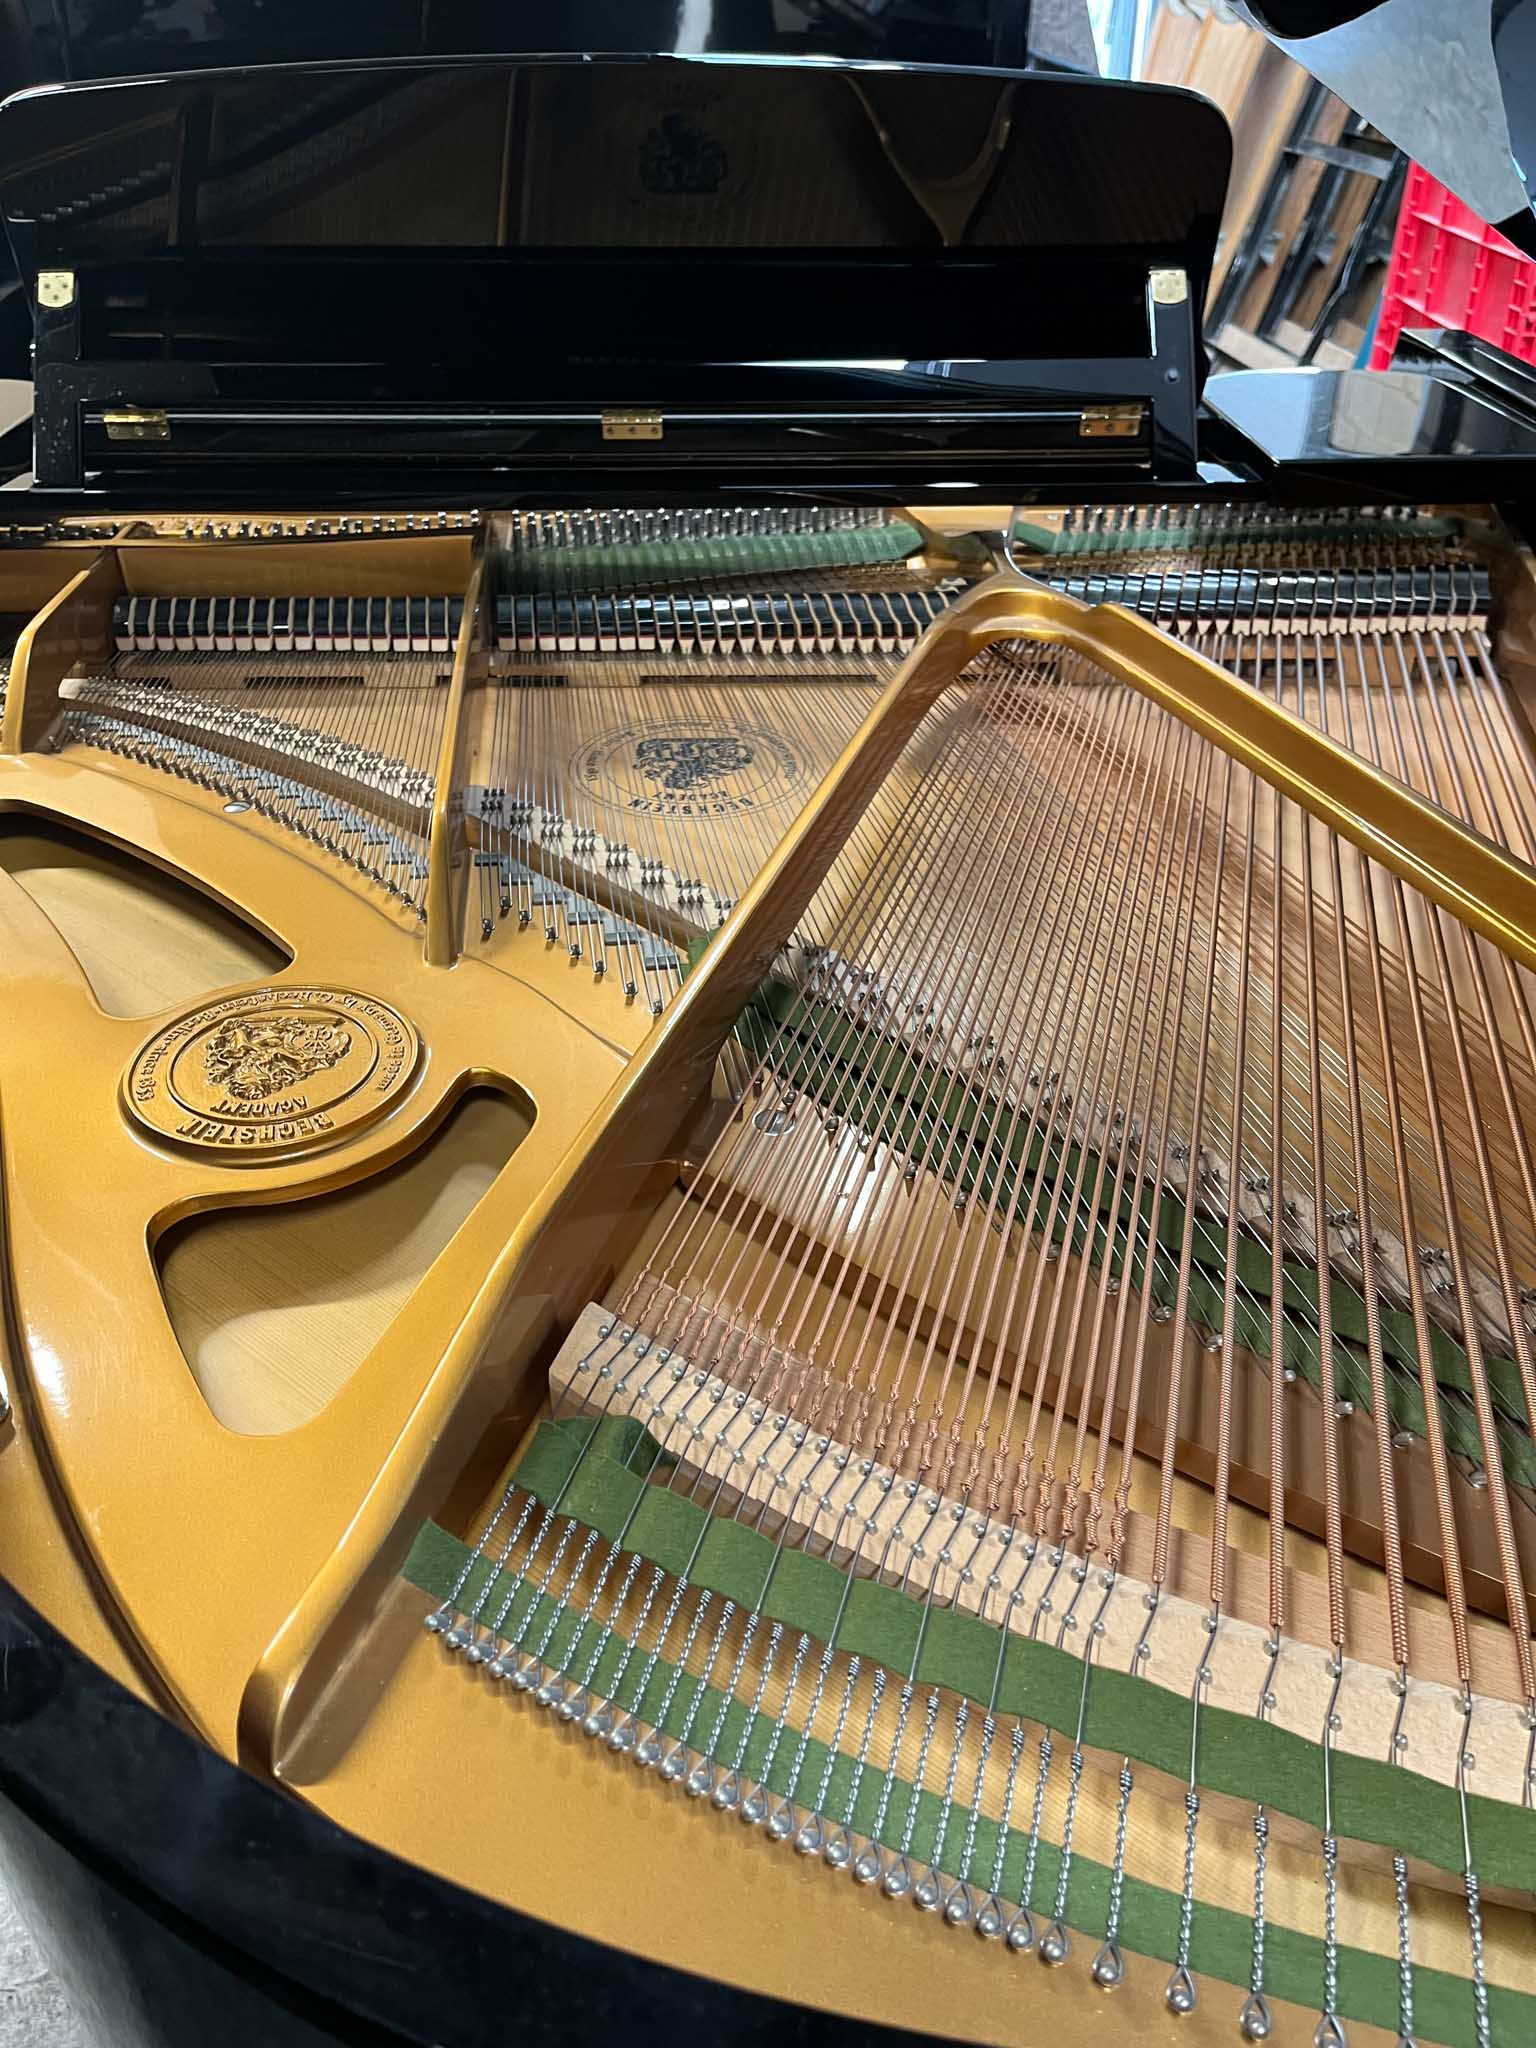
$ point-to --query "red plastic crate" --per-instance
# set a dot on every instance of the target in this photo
(1450, 269)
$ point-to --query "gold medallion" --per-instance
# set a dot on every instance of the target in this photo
(271, 1072)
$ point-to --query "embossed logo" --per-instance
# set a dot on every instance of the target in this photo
(272, 1057)
(693, 760)
(271, 1072)
(679, 770)
(680, 153)
(678, 156)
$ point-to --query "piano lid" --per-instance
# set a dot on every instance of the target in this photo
(1451, 82)
(503, 273)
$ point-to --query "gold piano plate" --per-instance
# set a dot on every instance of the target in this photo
(735, 946)
(272, 1072)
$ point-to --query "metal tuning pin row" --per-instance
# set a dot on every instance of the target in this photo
(336, 526)
(780, 622)
(367, 844)
(592, 527)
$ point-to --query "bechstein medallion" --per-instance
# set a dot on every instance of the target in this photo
(270, 1072)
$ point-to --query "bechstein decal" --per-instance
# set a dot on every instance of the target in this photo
(682, 769)
(273, 1071)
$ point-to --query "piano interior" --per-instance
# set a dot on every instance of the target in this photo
(776, 1215)
(955, 1274)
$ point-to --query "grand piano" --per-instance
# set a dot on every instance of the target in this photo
(766, 1080)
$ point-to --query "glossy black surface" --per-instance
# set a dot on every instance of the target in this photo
(1406, 432)
(71, 39)
(185, 1903)
(458, 268)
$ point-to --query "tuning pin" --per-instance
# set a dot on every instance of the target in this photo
(701, 1780)
(868, 1865)
(837, 1849)
(960, 1907)
(1021, 1931)
(624, 1736)
(1109, 1967)
(1181, 1995)
(1055, 1944)
(1255, 2020)
(781, 1823)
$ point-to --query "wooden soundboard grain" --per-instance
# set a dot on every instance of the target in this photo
(276, 1307)
(144, 939)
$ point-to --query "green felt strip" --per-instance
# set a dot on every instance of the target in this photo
(1051, 540)
(999, 1155)
(1220, 1940)
(623, 564)
(1373, 1802)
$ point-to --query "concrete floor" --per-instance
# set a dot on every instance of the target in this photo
(33, 2010)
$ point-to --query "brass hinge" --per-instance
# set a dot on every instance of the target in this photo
(137, 423)
(631, 426)
(55, 287)
(1110, 422)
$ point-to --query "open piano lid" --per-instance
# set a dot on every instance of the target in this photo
(556, 273)
(1451, 82)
